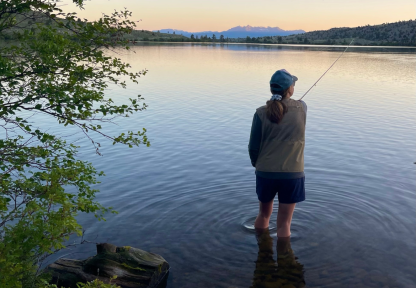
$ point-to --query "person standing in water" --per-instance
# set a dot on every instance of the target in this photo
(276, 146)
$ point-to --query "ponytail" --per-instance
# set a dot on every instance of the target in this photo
(276, 109)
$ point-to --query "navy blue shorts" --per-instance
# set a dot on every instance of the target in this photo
(288, 190)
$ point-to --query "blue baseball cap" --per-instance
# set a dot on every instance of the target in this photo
(281, 80)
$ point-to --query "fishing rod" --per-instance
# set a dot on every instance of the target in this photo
(327, 69)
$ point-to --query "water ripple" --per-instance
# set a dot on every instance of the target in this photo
(191, 196)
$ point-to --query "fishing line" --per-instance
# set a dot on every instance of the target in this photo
(327, 70)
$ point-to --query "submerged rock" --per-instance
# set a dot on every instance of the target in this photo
(133, 268)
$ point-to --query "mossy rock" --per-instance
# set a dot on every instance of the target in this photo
(133, 268)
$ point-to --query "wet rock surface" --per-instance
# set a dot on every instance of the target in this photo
(132, 266)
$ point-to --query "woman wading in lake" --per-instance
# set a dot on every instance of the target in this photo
(277, 141)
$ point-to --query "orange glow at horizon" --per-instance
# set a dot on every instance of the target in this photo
(216, 15)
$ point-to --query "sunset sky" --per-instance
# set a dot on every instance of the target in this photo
(220, 15)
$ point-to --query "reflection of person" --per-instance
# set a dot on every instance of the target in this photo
(287, 273)
(277, 141)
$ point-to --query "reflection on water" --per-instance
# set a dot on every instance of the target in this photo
(191, 196)
(270, 47)
(285, 272)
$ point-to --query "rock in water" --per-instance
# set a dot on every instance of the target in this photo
(133, 267)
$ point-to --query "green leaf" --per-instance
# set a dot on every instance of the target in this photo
(58, 68)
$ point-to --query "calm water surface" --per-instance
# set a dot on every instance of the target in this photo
(191, 196)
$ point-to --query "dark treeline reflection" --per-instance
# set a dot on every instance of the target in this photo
(282, 271)
(274, 47)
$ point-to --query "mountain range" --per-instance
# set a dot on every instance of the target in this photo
(238, 32)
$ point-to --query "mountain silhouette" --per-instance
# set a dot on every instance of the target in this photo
(238, 32)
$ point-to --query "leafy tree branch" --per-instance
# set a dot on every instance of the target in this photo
(55, 66)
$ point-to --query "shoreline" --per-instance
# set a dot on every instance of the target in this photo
(283, 44)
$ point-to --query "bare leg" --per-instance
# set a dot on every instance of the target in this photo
(284, 219)
(265, 211)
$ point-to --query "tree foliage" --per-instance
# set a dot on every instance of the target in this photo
(93, 284)
(56, 68)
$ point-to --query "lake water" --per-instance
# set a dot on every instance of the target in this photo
(191, 196)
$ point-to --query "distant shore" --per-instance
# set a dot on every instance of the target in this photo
(280, 44)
